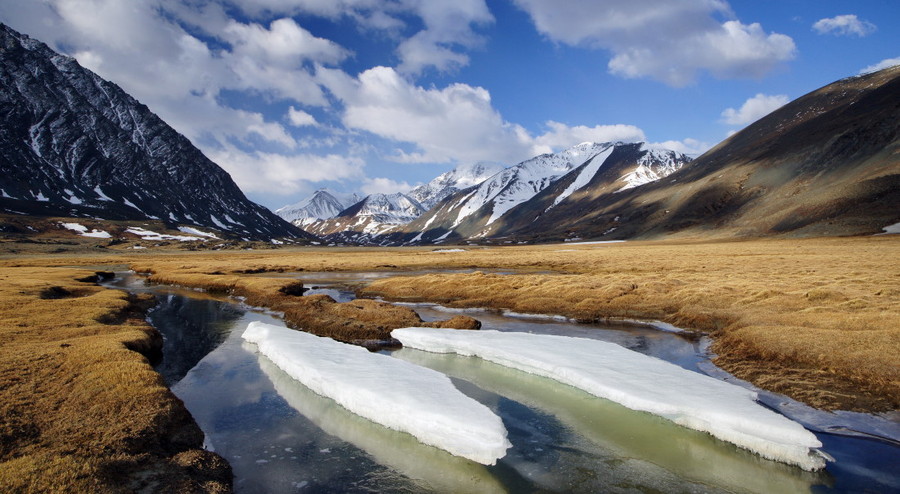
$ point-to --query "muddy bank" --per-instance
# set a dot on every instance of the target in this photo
(81, 409)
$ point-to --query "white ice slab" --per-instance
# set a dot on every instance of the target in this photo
(387, 391)
(638, 382)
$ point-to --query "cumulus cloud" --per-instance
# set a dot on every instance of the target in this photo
(671, 41)
(754, 108)
(561, 136)
(887, 62)
(844, 25)
(299, 118)
(447, 28)
(690, 147)
(381, 185)
(456, 123)
(281, 174)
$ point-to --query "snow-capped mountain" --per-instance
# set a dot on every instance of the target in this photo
(321, 205)
(73, 144)
(517, 184)
(449, 183)
(657, 163)
(524, 192)
(372, 216)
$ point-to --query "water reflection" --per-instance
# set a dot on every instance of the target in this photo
(634, 448)
(279, 439)
(191, 329)
(432, 468)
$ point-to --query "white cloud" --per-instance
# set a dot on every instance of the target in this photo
(561, 136)
(281, 174)
(456, 123)
(671, 41)
(382, 185)
(844, 25)
(690, 147)
(754, 108)
(888, 62)
(447, 27)
(299, 118)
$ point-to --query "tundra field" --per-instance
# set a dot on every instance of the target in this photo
(815, 319)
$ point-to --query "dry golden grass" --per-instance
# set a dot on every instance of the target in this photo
(816, 319)
(360, 321)
(80, 409)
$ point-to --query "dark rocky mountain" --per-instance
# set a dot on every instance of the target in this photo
(827, 163)
(73, 144)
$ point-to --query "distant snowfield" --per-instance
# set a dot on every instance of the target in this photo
(638, 382)
(83, 230)
(387, 391)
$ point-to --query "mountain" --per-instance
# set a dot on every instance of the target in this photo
(73, 144)
(449, 183)
(321, 205)
(827, 163)
(369, 218)
(520, 194)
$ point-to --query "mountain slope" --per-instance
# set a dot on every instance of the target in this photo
(321, 205)
(447, 184)
(73, 144)
(372, 216)
(517, 195)
(827, 163)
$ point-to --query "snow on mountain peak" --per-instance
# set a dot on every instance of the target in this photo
(446, 184)
(322, 204)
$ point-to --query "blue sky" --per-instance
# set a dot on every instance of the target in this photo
(376, 96)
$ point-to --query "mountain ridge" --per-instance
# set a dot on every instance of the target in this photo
(74, 144)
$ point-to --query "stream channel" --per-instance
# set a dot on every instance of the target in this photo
(281, 437)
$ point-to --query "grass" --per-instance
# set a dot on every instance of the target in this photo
(81, 409)
(816, 319)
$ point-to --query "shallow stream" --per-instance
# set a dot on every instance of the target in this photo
(281, 437)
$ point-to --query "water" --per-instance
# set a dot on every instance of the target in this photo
(281, 437)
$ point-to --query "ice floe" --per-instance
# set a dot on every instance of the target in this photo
(385, 390)
(401, 452)
(638, 382)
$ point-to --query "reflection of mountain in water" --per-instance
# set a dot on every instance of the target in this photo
(191, 329)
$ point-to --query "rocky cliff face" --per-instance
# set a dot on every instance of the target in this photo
(73, 144)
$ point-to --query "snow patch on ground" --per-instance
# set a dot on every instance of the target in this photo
(447, 250)
(194, 231)
(83, 230)
(151, 235)
(385, 390)
(895, 228)
(103, 197)
(218, 223)
(548, 317)
(638, 382)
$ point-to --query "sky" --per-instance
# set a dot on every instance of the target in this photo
(368, 96)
